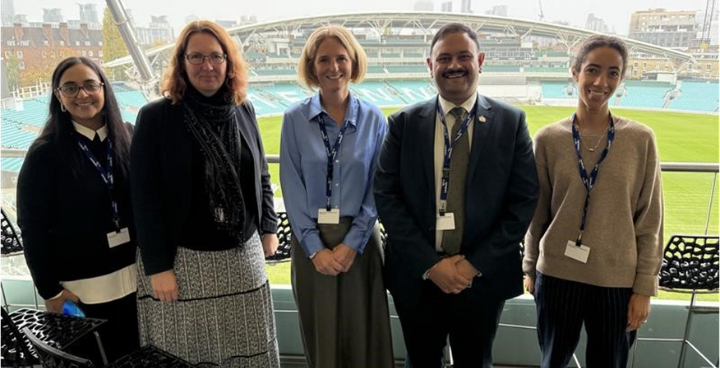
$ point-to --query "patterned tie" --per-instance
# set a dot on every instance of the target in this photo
(452, 239)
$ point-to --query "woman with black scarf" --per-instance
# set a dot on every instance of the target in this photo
(204, 210)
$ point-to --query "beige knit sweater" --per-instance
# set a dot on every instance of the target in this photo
(624, 228)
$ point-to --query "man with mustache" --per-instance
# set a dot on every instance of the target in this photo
(455, 188)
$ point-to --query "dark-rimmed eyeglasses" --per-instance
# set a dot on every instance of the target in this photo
(197, 59)
(72, 90)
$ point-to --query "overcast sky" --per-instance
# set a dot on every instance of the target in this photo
(615, 13)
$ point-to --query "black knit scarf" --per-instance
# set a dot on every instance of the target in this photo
(213, 123)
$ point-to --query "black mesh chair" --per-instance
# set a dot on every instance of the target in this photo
(51, 357)
(15, 348)
(150, 356)
(146, 357)
(284, 234)
(690, 265)
(11, 244)
(55, 330)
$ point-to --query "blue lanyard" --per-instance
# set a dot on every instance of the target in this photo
(589, 181)
(106, 173)
(331, 154)
(448, 150)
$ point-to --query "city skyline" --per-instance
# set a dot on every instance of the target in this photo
(615, 13)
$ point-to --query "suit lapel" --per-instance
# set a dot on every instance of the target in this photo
(426, 129)
(480, 133)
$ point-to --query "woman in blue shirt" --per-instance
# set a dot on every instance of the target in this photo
(329, 148)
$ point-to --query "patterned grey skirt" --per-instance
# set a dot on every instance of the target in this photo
(224, 315)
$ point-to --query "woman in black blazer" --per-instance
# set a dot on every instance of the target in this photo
(74, 205)
(204, 210)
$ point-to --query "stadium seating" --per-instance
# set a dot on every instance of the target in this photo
(645, 94)
(489, 68)
(20, 128)
(697, 96)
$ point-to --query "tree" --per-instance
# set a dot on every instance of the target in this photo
(13, 72)
(41, 71)
(113, 44)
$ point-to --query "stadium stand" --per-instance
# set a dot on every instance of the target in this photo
(644, 94)
(697, 96)
(20, 127)
(12, 164)
(555, 90)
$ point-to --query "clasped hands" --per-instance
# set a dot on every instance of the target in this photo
(333, 262)
(453, 274)
(165, 286)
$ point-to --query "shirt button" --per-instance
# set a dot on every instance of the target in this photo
(337, 184)
(337, 161)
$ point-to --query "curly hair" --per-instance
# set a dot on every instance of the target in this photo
(175, 80)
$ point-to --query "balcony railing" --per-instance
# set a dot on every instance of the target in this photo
(513, 346)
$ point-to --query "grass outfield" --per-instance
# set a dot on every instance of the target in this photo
(681, 138)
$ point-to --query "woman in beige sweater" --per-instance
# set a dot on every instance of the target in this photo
(594, 248)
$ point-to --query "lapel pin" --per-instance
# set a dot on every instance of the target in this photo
(481, 119)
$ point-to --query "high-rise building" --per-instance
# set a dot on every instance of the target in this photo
(53, 15)
(88, 13)
(158, 32)
(424, 5)
(8, 12)
(446, 6)
(248, 19)
(707, 29)
(596, 24)
(466, 6)
(664, 28)
(226, 23)
(499, 10)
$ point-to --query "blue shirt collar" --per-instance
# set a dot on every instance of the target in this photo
(351, 113)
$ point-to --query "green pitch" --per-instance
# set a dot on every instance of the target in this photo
(681, 138)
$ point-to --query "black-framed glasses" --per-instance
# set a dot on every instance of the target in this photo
(197, 58)
(71, 90)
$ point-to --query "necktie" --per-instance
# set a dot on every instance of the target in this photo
(452, 239)
(98, 149)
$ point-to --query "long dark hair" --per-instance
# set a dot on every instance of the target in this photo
(59, 128)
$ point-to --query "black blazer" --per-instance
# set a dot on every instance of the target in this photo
(500, 198)
(161, 158)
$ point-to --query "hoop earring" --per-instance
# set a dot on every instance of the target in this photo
(62, 108)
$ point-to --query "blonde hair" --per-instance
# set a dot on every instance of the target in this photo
(175, 80)
(306, 72)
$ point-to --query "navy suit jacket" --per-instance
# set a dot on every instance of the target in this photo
(500, 198)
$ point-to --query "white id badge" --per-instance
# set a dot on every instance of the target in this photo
(446, 222)
(580, 253)
(329, 217)
(115, 238)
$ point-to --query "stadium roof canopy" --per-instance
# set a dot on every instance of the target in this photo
(427, 23)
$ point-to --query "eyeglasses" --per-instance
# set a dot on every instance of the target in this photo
(197, 59)
(71, 90)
